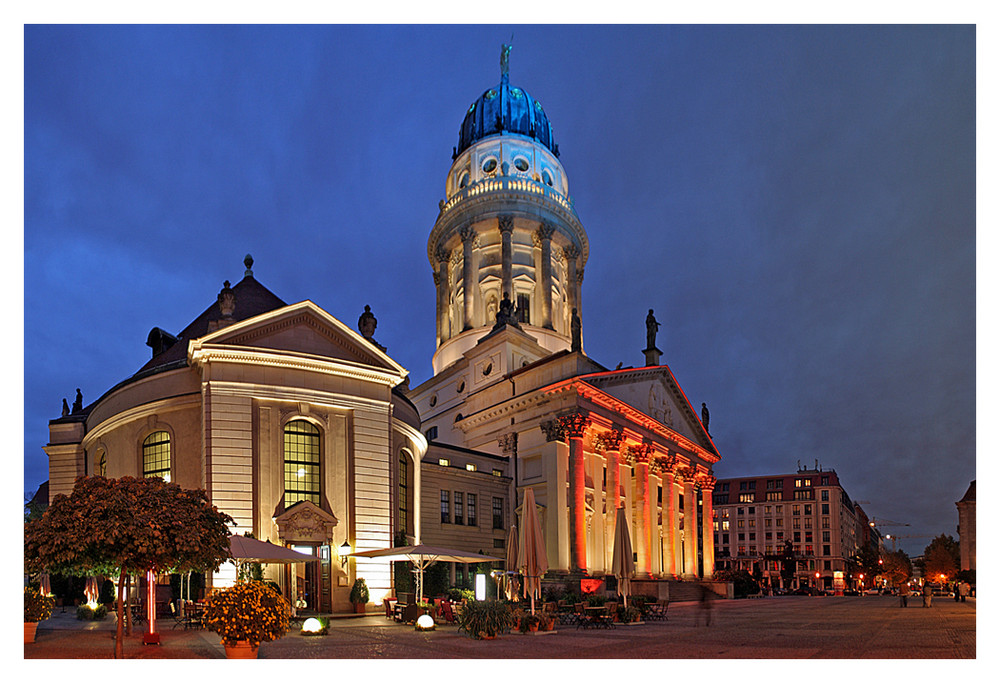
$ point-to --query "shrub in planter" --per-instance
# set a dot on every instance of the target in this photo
(359, 594)
(460, 594)
(596, 600)
(628, 614)
(486, 619)
(37, 607)
(86, 612)
(249, 611)
(530, 622)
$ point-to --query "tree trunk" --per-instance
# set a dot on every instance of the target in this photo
(120, 611)
(128, 606)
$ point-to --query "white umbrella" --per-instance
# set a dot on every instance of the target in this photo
(45, 583)
(245, 549)
(92, 589)
(510, 562)
(535, 562)
(423, 556)
(622, 563)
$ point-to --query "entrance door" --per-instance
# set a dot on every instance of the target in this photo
(306, 586)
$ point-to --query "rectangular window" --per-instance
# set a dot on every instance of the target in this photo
(523, 312)
(743, 486)
(779, 535)
(725, 539)
(809, 537)
(825, 508)
(445, 508)
(746, 497)
(826, 537)
(497, 473)
(470, 501)
(753, 523)
(796, 524)
(753, 537)
(499, 543)
(824, 495)
(751, 510)
(796, 509)
(779, 522)
(797, 536)
(444, 462)
(826, 564)
(498, 513)
(739, 524)
(809, 523)
(741, 537)
(752, 485)
(773, 495)
(809, 550)
(725, 486)
(767, 522)
(431, 433)
(458, 507)
(767, 536)
(824, 481)
(809, 509)
(826, 550)
(779, 483)
(767, 509)
(826, 522)
(470, 467)
(739, 511)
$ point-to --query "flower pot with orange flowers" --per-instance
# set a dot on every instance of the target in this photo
(246, 615)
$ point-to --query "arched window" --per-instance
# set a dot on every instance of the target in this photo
(302, 476)
(156, 456)
(101, 466)
(403, 487)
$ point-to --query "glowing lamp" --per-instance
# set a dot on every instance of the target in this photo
(480, 586)
(425, 622)
(92, 604)
(312, 625)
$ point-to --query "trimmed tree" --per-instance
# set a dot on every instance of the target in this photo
(941, 559)
(127, 526)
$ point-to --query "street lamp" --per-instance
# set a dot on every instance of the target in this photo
(344, 552)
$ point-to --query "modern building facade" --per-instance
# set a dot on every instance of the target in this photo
(511, 377)
(291, 421)
(756, 516)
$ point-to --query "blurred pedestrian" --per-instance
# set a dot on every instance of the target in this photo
(904, 592)
(963, 590)
(928, 592)
(706, 604)
(958, 586)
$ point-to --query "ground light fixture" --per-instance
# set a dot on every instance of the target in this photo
(313, 627)
(425, 622)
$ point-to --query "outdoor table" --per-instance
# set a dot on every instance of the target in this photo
(595, 617)
(656, 611)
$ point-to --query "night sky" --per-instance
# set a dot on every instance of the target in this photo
(797, 205)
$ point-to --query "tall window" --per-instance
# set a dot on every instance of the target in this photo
(458, 507)
(302, 477)
(523, 312)
(498, 513)
(402, 491)
(470, 500)
(101, 468)
(445, 508)
(156, 456)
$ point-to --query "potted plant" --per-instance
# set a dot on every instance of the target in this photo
(485, 620)
(246, 615)
(359, 595)
(37, 607)
(530, 623)
(90, 612)
(627, 615)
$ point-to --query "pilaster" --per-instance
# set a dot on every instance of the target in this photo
(555, 463)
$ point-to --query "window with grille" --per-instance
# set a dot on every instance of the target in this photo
(445, 508)
(403, 486)
(498, 513)
(302, 478)
(470, 501)
(523, 312)
(458, 507)
(156, 456)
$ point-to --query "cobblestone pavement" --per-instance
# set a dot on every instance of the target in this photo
(771, 628)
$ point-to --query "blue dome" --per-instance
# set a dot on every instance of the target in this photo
(505, 108)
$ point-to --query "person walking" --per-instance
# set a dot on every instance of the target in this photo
(963, 590)
(928, 592)
(904, 592)
(706, 604)
(958, 588)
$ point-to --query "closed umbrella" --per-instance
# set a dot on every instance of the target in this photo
(44, 583)
(92, 589)
(534, 562)
(510, 563)
(622, 563)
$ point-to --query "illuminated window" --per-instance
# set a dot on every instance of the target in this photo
(779, 522)
(725, 525)
(796, 509)
(444, 462)
(156, 456)
(746, 497)
(470, 501)
(471, 467)
(773, 495)
(302, 479)
(497, 473)
(809, 509)
(445, 508)
(403, 484)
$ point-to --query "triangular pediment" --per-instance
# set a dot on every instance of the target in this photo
(654, 392)
(305, 521)
(306, 329)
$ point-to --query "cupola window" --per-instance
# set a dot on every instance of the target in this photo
(490, 165)
(521, 164)
(547, 178)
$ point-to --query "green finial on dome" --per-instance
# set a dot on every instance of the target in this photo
(505, 60)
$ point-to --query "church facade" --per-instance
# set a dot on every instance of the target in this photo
(291, 421)
(511, 377)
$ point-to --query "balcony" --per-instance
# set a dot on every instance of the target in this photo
(512, 185)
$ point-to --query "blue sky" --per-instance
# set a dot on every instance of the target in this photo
(796, 203)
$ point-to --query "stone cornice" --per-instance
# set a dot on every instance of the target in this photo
(200, 354)
(601, 398)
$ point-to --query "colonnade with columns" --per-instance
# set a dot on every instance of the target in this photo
(468, 261)
(591, 472)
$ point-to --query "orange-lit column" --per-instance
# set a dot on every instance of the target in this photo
(468, 280)
(610, 442)
(544, 238)
(574, 426)
(691, 530)
(670, 528)
(706, 483)
(643, 523)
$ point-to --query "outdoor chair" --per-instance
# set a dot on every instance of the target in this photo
(177, 616)
(656, 611)
(446, 612)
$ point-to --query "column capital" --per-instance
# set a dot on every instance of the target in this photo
(467, 233)
(442, 255)
(545, 231)
(553, 430)
(508, 443)
(639, 453)
(570, 252)
(684, 473)
(574, 424)
(609, 440)
(706, 482)
(438, 279)
(506, 223)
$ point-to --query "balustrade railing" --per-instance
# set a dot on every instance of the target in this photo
(511, 184)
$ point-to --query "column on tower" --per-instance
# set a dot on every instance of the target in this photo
(572, 280)
(443, 283)
(544, 237)
(506, 225)
(575, 425)
(706, 483)
(468, 276)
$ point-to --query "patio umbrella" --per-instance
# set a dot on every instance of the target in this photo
(245, 549)
(510, 562)
(622, 563)
(44, 583)
(535, 562)
(423, 556)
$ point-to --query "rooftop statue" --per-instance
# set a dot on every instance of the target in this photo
(651, 328)
(704, 416)
(505, 59)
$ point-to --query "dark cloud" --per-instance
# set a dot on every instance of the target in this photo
(796, 203)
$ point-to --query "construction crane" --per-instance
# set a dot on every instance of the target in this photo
(895, 536)
(885, 522)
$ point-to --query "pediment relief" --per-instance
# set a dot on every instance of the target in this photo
(654, 393)
(307, 522)
(306, 329)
